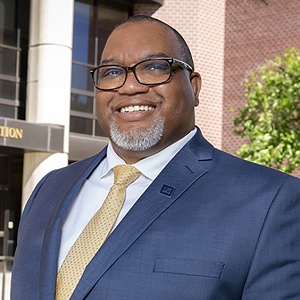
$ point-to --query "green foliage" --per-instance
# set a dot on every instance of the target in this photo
(271, 117)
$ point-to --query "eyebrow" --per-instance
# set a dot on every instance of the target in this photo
(116, 62)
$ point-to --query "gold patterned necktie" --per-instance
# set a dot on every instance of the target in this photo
(95, 233)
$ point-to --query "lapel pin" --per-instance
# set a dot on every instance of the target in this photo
(167, 190)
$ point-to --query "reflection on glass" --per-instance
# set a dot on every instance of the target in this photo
(92, 23)
(82, 103)
(81, 125)
(98, 130)
(7, 111)
(8, 22)
(108, 18)
(8, 61)
(81, 78)
(8, 89)
(83, 38)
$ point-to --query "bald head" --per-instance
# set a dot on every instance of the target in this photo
(184, 50)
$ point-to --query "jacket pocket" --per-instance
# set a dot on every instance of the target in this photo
(192, 267)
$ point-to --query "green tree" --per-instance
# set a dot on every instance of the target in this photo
(271, 117)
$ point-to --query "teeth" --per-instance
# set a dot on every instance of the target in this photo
(136, 108)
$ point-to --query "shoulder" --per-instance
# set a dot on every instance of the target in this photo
(227, 168)
(249, 173)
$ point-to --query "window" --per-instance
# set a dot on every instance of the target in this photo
(93, 22)
(9, 59)
(14, 24)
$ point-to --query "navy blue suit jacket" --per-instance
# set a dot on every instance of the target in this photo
(210, 226)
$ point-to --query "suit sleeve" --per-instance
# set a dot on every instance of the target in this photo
(275, 269)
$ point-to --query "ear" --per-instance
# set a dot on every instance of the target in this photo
(196, 85)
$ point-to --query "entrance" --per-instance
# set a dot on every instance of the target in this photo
(11, 173)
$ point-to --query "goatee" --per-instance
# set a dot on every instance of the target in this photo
(137, 139)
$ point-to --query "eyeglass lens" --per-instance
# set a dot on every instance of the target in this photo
(146, 72)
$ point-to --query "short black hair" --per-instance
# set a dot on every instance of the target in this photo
(184, 48)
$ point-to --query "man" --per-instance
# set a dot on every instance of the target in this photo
(196, 224)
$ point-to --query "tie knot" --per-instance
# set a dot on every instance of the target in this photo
(125, 174)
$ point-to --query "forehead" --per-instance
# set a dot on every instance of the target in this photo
(133, 42)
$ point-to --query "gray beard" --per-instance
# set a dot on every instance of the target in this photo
(137, 139)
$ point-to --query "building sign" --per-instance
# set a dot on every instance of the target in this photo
(31, 136)
(11, 132)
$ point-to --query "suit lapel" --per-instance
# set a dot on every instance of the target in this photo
(160, 195)
(51, 243)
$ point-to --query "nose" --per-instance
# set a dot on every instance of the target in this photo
(132, 86)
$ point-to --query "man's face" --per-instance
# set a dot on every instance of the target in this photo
(162, 113)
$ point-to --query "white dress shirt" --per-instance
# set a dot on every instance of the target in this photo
(96, 187)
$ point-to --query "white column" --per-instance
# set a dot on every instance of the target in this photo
(49, 81)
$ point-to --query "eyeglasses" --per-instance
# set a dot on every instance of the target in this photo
(147, 72)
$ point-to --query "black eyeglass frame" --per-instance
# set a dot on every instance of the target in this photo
(170, 60)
